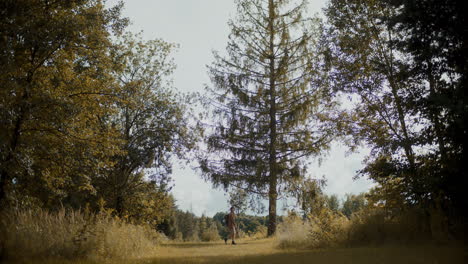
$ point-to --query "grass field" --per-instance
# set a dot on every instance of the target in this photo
(265, 251)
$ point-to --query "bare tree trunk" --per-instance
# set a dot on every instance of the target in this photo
(273, 194)
(407, 146)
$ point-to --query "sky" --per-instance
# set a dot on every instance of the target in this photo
(199, 27)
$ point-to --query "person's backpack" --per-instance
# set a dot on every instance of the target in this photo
(226, 220)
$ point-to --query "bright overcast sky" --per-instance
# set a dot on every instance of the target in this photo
(200, 26)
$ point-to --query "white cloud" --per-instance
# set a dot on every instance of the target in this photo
(194, 194)
(339, 168)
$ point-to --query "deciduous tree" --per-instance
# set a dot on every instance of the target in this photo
(152, 120)
(436, 39)
(56, 87)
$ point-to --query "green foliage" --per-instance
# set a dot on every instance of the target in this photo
(153, 125)
(269, 103)
(332, 202)
(57, 86)
(251, 224)
(353, 203)
(365, 62)
(188, 225)
(435, 40)
(238, 200)
(309, 195)
(371, 225)
(89, 117)
(406, 69)
(210, 233)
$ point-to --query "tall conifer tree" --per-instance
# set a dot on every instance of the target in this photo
(268, 100)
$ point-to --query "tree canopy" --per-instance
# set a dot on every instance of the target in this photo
(89, 117)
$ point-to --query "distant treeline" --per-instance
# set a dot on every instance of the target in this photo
(186, 226)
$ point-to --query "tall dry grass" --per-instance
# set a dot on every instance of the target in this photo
(293, 232)
(370, 226)
(325, 229)
(27, 234)
(260, 233)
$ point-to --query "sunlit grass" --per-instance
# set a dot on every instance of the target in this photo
(35, 234)
(266, 251)
(60, 238)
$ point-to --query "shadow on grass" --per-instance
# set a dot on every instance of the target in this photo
(200, 244)
(188, 245)
(363, 255)
(337, 256)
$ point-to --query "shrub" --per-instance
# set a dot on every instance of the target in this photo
(328, 228)
(369, 226)
(260, 233)
(293, 232)
(210, 234)
(375, 225)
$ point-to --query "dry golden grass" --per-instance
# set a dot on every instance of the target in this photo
(370, 226)
(32, 234)
(76, 238)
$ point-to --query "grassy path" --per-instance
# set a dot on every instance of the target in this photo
(265, 251)
(215, 252)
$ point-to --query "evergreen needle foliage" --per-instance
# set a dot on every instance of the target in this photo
(269, 101)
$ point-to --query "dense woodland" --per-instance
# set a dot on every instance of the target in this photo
(90, 120)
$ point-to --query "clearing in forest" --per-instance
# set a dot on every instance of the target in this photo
(266, 251)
